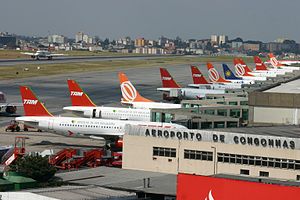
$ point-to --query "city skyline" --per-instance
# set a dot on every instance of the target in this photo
(254, 20)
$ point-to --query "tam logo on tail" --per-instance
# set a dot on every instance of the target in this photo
(167, 79)
(197, 76)
(30, 102)
(78, 97)
(32, 106)
(78, 94)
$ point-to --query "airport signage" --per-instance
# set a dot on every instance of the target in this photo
(216, 137)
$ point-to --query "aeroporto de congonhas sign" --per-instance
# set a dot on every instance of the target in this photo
(214, 136)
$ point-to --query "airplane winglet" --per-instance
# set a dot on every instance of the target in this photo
(78, 96)
(32, 106)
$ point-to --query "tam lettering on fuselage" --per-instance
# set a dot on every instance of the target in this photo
(30, 102)
(73, 93)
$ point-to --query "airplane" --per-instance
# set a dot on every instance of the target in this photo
(170, 84)
(215, 77)
(131, 97)
(283, 64)
(42, 54)
(260, 66)
(83, 105)
(279, 63)
(242, 70)
(10, 108)
(36, 115)
(229, 75)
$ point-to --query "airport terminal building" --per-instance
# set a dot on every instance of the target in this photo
(253, 152)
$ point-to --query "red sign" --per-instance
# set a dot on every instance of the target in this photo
(192, 187)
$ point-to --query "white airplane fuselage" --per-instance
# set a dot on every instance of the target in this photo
(111, 113)
(149, 105)
(254, 78)
(218, 85)
(193, 93)
(85, 127)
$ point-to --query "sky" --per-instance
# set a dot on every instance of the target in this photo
(264, 20)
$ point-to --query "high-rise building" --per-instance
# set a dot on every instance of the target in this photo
(214, 39)
(139, 42)
(59, 39)
(222, 39)
(79, 37)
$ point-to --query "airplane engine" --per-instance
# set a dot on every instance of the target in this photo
(11, 109)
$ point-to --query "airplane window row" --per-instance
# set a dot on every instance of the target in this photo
(90, 126)
(127, 114)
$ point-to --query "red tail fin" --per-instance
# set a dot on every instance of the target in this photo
(129, 93)
(32, 106)
(274, 62)
(167, 79)
(241, 69)
(198, 77)
(259, 64)
(214, 75)
(78, 97)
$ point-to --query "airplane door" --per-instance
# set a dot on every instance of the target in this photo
(50, 124)
(94, 113)
(100, 114)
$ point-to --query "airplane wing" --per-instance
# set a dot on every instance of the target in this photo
(57, 54)
(28, 53)
(165, 89)
(2, 105)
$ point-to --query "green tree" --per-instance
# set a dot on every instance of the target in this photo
(36, 167)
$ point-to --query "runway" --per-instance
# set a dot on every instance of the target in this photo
(72, 59)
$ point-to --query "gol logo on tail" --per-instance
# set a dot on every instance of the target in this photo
(239, 69)
(30, 102)
(128, 91)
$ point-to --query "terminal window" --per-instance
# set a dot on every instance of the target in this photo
(264, 174)
(164, 152)
(259, 161)
(244, 172)
(198, 155)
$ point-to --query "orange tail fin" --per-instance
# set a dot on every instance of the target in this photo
(198, 77)
(167, 79)
(214, 75)
(274, 62)
(259, 64)
(77, 95)
(32, 106)
(241, 68)
(129, 93)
